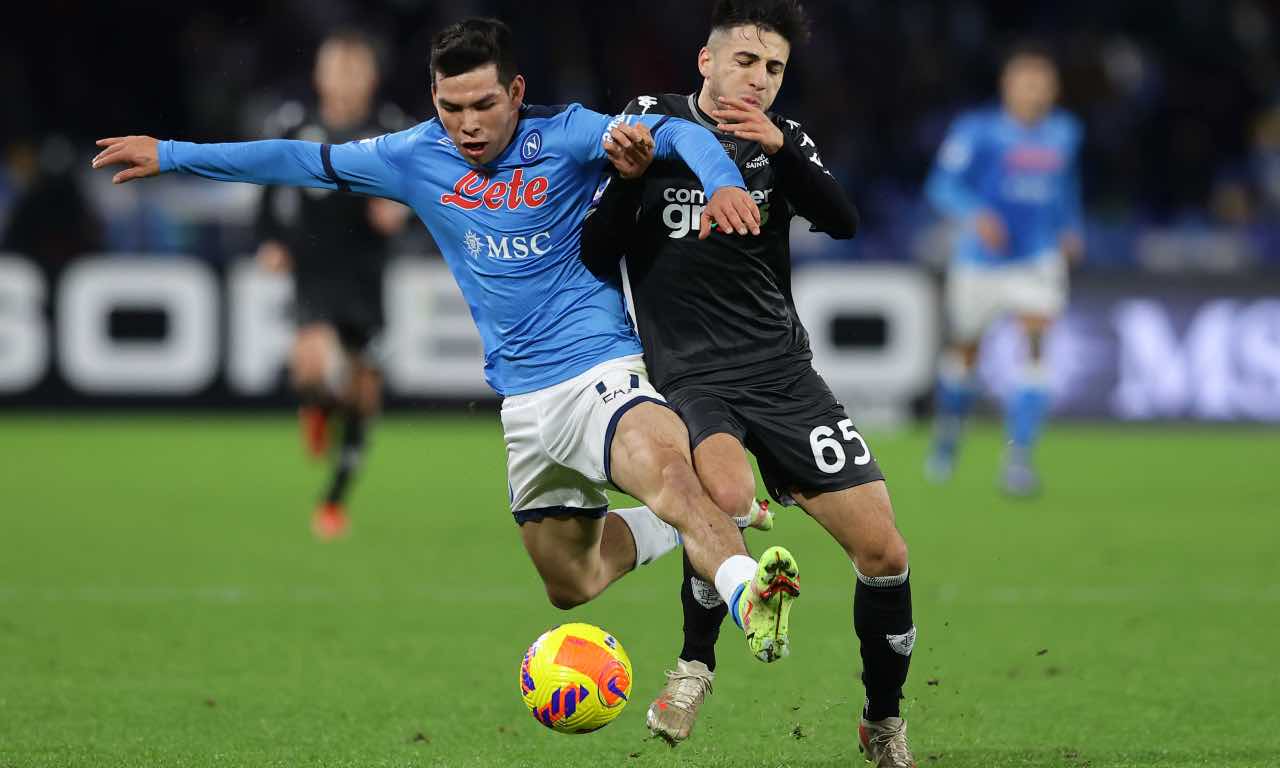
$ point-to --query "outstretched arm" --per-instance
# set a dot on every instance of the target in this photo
(275, 161)
(365, 166)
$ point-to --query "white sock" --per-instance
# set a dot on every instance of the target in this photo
(733, 572)
(653, 537)
(883, 581)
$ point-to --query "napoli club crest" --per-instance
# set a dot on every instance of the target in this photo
(531, 145)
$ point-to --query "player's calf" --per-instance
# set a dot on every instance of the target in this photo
(578, 553)
(861, 519)
(565, 553)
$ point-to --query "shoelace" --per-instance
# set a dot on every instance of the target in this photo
(687, 688)
(893, 743)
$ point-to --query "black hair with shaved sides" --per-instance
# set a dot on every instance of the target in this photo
(787, 18)
(471, 44)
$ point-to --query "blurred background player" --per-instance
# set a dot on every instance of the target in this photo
(336, 247)
(1007, 176)
(725, 346)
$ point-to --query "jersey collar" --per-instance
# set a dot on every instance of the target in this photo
(702, 117)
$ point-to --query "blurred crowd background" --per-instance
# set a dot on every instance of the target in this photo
(1181, 100)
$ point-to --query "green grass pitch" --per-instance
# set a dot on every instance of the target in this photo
(163, 603)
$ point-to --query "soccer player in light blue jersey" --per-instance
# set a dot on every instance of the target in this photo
(1008, 178)
(504, 187)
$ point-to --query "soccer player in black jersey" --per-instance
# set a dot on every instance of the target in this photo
(336, 247)
(723, 343)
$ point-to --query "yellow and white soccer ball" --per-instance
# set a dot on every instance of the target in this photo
(575, 678)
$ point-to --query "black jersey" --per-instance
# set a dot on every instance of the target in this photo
(720, 309)
(337, 255)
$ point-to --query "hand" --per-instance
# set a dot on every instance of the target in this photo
(140, 153)
(386, 217)
(732, 210)
(741, 120)
(631, 149)
(991, 230)
(273, 256)
(1072, 246)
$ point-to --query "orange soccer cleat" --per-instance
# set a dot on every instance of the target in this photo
(330, 521)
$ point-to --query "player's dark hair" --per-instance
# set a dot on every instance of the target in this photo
(787, 18)
(1028, 48)
(473, 43)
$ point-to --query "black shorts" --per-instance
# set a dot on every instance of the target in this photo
(355, 317)
(799, 433)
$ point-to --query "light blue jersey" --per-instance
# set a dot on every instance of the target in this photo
(1027, 175)
(510, 232)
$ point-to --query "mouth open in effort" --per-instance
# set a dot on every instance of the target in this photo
(473, 150)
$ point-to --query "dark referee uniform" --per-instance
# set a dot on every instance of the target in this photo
(338, 258)
(721, 336)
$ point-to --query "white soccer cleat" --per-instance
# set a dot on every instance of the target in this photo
(760, 517)
(885, 743)
(674, 712)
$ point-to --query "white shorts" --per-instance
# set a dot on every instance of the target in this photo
(977, 296)
(558, 439)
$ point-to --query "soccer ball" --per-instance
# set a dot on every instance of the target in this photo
(575, 678)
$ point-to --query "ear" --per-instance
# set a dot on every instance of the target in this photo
(516, 90)
(704, 62)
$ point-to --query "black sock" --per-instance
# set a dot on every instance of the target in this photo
(350, 453)
(701, 624)
(882, 620)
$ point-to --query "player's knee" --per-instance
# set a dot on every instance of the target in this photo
(307, 370)
(882, 556)
(567, 595)
(730, 495)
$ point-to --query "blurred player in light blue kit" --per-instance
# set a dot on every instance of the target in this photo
(1008, 177)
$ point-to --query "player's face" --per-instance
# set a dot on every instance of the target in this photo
(479, 113)
(346, 76)
(745, 62)
(1029, 87)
